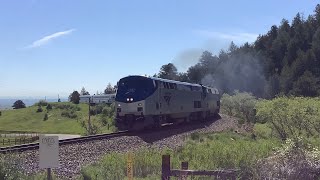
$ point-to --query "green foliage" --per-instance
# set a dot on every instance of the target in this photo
(296, 159)
(74, 97)
(84, 91)
(240, 105)
(91, 127)
(109, 89)
(0, 113)
(39, 109)
(69, 114)
(10, 167)
(28, 120)
(291, 117)
(195, 136)
(45, 117)
(263, 130)
(66, 106)
(168, 71)
(42, 103)
(18, 104)
(49, 107)
(97, 109)
(215, 151)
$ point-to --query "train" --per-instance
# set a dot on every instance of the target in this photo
(143, 102)
(98, 99)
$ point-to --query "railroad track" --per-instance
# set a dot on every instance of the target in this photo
(30, 146)
(166, 127)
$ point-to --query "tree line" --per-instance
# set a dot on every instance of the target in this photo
(284, 61)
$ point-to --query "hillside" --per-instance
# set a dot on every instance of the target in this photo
(29, 120)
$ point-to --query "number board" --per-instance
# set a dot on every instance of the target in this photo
(48, 151)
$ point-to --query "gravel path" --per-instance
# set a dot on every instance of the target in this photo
(74, 156)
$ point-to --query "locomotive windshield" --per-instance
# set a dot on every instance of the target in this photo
(134, 88)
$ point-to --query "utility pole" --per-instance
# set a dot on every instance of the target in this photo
(89, 122)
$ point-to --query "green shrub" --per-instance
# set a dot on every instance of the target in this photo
(45, 117)
(291, 117)
(69, 114)
(49, 107)
(10, 166)
(66, 106)
(39, 109)
(214, 151)
(240, 105)
(42, 103)
(195, 136)
(0, 113)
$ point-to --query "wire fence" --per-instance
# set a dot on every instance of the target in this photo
(17, 138)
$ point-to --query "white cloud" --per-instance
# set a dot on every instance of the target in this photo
(235, 37)
(48, 38)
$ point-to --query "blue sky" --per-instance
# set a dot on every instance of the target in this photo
(54, 47)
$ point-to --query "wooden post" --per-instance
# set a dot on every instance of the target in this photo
(165, 167)
(184, 166)
(49, 177)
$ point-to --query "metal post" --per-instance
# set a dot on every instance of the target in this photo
(166, 167)
(184, 166)
(49, 174)
(89, 122)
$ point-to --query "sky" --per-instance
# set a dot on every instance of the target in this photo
(57, 46)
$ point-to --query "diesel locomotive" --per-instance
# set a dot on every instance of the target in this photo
(143, 102)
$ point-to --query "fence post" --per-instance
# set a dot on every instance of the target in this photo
(184, 166)
(166, 169)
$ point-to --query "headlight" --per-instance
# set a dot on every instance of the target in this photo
(127, 99)
(131, 99)
(119, 105)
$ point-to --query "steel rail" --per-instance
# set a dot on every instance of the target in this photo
(30, 146)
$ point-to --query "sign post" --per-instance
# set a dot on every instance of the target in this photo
(129, 167)
(48, 153)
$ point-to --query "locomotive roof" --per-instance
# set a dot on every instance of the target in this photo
(171, 81)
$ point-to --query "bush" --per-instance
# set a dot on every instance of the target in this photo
(10, 166)
(108, 111)
(240, 105)
(49, 107)
(42, 103)
(18, 104)
(0, 113)
(294, 160)
(291, 117)
(45, 117)
(69, 114)
(65, 106)
(39, 109)
(216, 152)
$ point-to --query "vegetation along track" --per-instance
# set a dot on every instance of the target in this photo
(73, 156)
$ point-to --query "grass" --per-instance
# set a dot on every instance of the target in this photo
(28, 120)
(202, 151)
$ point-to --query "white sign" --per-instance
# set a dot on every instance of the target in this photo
(48, 151)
